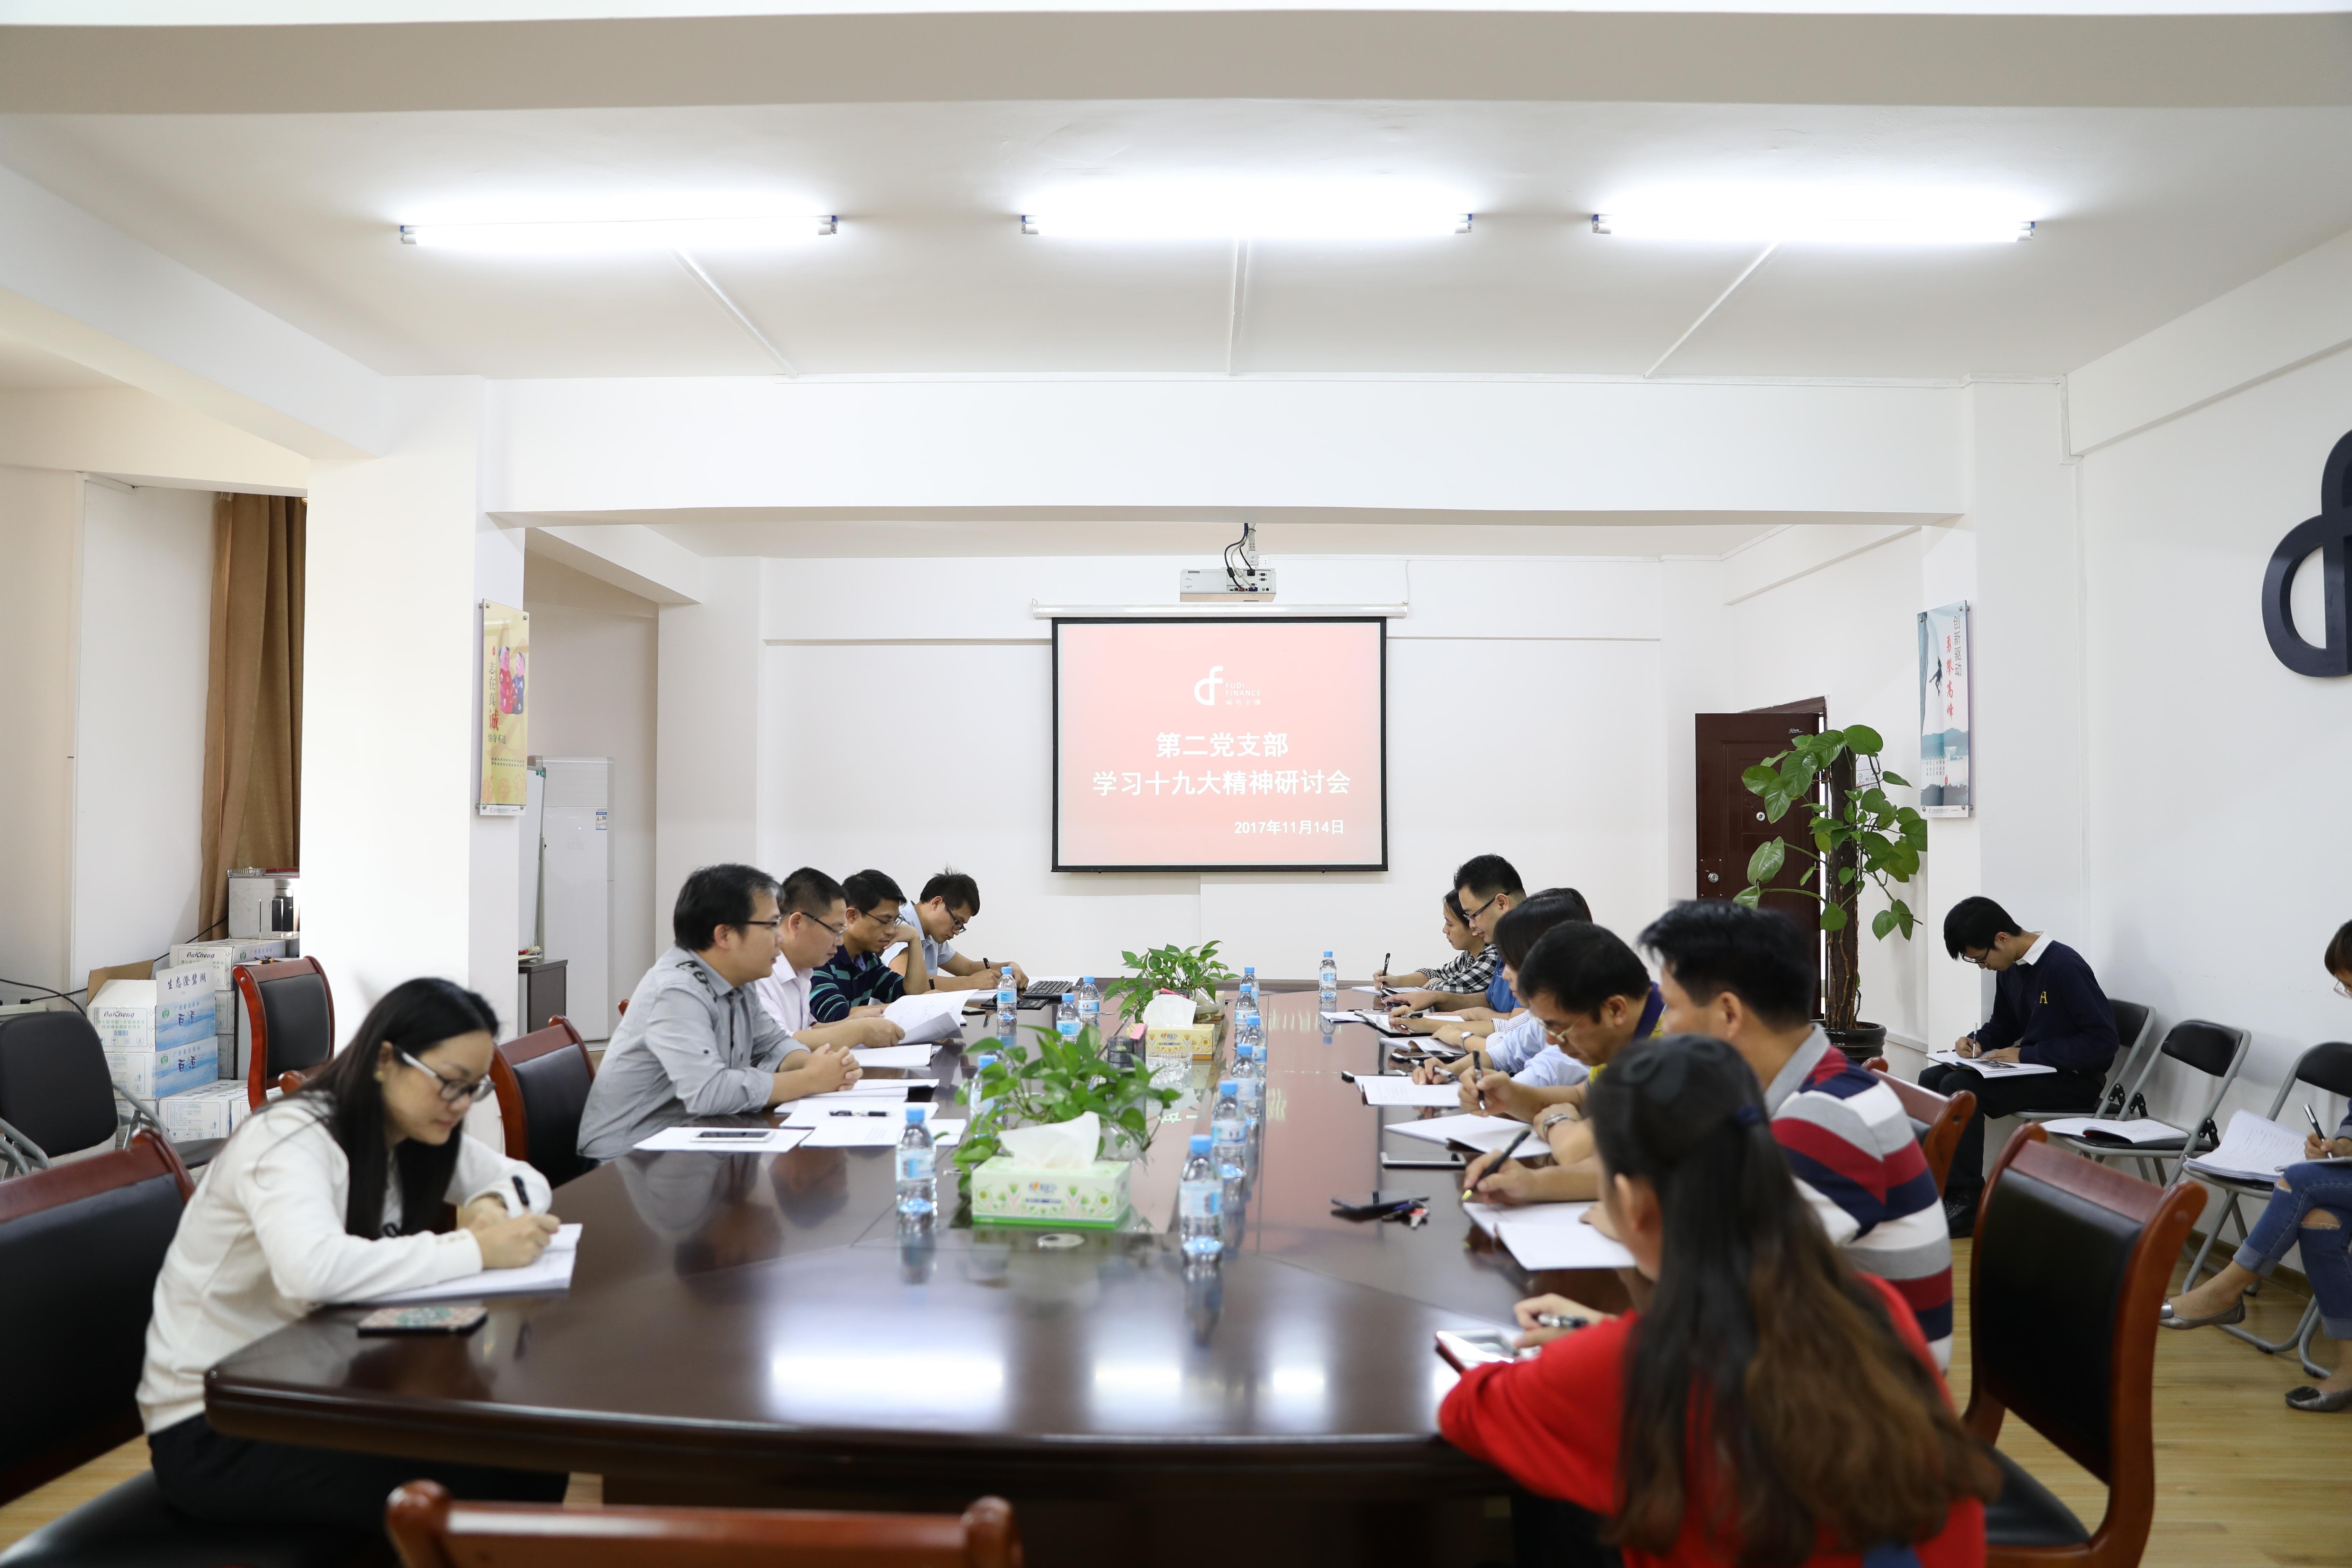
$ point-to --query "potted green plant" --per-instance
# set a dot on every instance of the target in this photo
(1860, 835)
(1058, 1080)
(1187, 971)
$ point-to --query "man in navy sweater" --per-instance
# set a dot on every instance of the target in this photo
(2047, 1010)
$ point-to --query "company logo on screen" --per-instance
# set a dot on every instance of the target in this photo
(1236, 694)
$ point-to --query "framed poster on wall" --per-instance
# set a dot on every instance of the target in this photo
(1946, 785)
(506, 660)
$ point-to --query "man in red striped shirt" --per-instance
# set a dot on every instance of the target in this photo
(1744, 977)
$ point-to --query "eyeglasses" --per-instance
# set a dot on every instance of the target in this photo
(887, 917)
(959, 928)
(1978, 958)
(835, 930)
(453, 1090)
(771, 925)
(1473, 914)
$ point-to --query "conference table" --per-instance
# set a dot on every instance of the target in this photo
(756, 1328)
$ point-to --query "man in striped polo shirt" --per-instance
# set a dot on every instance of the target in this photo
(1746, 977)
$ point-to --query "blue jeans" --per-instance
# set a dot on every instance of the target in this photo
(2302, 1188)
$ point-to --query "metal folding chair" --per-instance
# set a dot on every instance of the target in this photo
(2135, 1026)
(2215, 1049)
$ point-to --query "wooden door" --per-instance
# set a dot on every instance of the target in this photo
(1732, 820)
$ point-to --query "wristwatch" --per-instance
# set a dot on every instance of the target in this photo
(1550, 1118)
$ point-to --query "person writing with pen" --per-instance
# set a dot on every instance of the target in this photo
(1518, 1045)
(1768, 1404)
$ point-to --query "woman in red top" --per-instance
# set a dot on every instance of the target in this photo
(1771, 1407)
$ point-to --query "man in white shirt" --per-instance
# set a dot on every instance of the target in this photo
(949, 902)
(814, 911)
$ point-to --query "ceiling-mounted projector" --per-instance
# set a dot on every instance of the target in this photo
(1241, 578)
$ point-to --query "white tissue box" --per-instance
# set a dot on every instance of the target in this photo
(222, 954)
(209, 1111)
(172, 1010)
(158, 1075)
(1008, 1193)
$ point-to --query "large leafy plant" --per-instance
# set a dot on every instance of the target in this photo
(1060, 1080)
(1187, 971)
(1860, 835)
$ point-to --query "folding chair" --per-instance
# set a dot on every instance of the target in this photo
(429, 1531)
(2216, 1050)
(2135, 1026)
(1937, 1119)
(2064, 1280)
(2327, 1067)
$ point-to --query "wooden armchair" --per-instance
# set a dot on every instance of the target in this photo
(1937, 1120)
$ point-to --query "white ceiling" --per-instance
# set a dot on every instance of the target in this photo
(23, 368)
(2146, 213)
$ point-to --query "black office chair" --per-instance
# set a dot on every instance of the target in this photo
(542, 1081)
(291, 1014)
(2064, 1281)
(80, 1244)
(57, 1096)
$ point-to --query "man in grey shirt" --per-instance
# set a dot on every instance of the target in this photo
(695, 1041)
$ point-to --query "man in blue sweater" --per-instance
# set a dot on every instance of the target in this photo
(2047, 1011)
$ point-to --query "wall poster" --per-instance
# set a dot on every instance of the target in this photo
(505, 659)
(1946, 788)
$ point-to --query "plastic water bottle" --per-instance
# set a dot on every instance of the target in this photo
(1008, 1007)
(1198, 1197)
(1251, 1030)
(1066, 1022)
(1089, 1004)
(917, 1188)
(1326, 982)
(1249, 986)
(1229, 1136)
(1250, 1075)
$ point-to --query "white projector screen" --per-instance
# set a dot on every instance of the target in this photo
(1221, 745)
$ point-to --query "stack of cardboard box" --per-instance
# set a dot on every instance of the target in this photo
(158, 1033)
(221, 956)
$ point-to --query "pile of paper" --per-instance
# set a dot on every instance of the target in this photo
(2255, 1151)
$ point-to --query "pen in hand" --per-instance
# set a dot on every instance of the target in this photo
(522, 1196)
(1560, 1321)
(1470, 1192)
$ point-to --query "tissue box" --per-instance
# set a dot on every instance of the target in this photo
(223, 955)
(158, 1075)
(172, 1011)
(1185, 1042)
(1012, 1194)
(209, 1111)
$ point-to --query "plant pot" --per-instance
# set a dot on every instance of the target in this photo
(1862, 1043)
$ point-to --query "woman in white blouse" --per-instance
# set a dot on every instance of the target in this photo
(323, 1197)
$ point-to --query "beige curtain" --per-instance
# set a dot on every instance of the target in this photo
(253, 713)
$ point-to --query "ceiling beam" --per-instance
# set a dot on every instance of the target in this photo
(627, 555)
(90, 293)
(1985, 61)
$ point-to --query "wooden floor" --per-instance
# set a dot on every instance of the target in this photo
(2244, 1482)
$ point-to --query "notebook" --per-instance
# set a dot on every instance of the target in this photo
(1990, 1068)
(550, 1276)
(1385, 1091)
(1556, 1235)
(1483, 1133)
(2256, 1151)
(2144, 1134)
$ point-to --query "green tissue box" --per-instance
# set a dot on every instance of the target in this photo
(1012, 1194)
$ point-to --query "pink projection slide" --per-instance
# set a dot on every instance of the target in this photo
(1206, 744)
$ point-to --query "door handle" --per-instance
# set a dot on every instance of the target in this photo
(1760, 816)
(1713, 876)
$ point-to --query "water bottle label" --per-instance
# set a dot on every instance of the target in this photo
(1201, 1200)
(915, 1165)
(1068, 1028)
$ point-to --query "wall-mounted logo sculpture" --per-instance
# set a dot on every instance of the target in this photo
(2330, 534)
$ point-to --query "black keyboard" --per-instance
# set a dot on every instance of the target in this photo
(1045, 991)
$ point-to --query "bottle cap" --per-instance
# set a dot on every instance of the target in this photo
(1249, 969)
(1200, 1143)
(914, 1114)
(1229, 1086)
(1326, 953)
(1086, 980)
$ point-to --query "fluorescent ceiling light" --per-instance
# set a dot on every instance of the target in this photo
(1751, 217)
(589, 237)
(1311, 210)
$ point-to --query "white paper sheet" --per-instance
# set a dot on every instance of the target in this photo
(1555, 1235)
(870, 1133)
(689, 1141)
(2252, 1150)
(1386, 1091)
(915, 1056)
(859, 1108)
(550, 1276)
(1483, 1133)
(929, 1018)
(1485, 1216)
(1990, 1068)
(2144, 1132)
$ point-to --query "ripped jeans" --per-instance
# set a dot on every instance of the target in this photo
(2305, 1192)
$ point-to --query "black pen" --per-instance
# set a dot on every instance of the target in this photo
(2310, 1115)
(861, 1114)
(524, 1195)
(1509, 1149)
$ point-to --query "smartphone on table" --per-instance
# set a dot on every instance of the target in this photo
(1466, 1348)
(424, 1319)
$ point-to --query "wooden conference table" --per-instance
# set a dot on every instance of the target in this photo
(752, 1328)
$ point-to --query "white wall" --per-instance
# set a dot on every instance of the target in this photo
(593, 652)
(145, 644)
(2218, 840)
(39, 512)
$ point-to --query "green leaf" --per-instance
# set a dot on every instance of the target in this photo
(1863, 740)
(1759, 778)
(1833, 918)
(1846, 875)
(1894, 778)
(1766, 863)
(1747, 896)
(1903, 914)
(1881, 923)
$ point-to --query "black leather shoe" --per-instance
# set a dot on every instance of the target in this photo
(1960, 1214)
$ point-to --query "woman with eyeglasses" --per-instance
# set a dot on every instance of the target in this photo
(1768, 1405)
(330, 1196)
